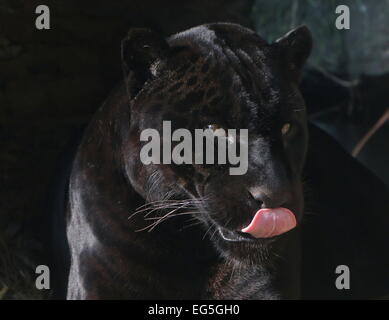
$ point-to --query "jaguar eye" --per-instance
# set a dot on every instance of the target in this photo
(217, 130)
(285, 128)
(213, 127)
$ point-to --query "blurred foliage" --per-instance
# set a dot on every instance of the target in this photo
(364, 49)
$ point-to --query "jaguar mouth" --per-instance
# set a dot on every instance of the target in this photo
(235, 236)
(266, 224)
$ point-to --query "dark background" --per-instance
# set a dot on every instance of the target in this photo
(52, 81)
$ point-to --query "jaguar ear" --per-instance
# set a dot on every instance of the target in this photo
(142, 52)
(296, 46)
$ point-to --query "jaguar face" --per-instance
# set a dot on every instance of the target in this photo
(223, 76)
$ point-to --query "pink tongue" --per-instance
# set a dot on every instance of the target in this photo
(271, 222)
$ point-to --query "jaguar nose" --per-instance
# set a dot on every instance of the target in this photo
(270, 199)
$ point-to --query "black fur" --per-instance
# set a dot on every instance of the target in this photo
(214, 74)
